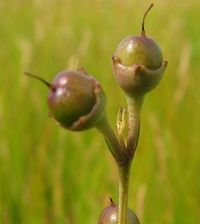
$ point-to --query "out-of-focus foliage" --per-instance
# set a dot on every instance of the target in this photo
(50, 175)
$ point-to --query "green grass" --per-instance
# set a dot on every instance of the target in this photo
(50, 175)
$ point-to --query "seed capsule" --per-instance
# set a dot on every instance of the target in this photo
(110, 215)
(138, 64)
(140, 50)
(76, 100)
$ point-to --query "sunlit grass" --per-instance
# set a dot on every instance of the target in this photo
(49, 175)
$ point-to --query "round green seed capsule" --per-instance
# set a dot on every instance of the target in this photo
(139, 50)
(138, 64)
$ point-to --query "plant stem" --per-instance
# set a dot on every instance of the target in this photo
(134, 115)
(104, 127)
(123, 155)
(124, 176)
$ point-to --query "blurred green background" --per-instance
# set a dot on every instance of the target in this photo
(50, 175)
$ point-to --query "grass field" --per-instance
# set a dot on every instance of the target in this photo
(50, 175)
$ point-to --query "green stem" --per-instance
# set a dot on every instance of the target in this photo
(104, 127)
(124, 176)
(134, 115)
(123, 156)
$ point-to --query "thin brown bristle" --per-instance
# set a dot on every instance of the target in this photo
(111, 200)
(143, 30)
(38, 78)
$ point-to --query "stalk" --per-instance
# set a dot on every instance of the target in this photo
(124, 176)
(122, 154)
(104, 127)
(134, 117)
